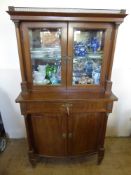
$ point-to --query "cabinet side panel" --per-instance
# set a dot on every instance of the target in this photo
(112, 50)
(21, 59)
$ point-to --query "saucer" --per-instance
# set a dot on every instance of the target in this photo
(44, 82)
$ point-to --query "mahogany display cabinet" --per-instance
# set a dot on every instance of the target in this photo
(66, 58)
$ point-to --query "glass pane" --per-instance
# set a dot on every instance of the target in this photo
(87, 57)
(45, 51)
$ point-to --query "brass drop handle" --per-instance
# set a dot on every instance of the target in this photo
(63, 135)
(68, 110)
(70, 135)
(67, 107)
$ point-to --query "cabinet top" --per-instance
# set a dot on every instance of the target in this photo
(66, 10)
(65, 97)
(24, 13)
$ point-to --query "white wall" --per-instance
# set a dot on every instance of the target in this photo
(119, 123)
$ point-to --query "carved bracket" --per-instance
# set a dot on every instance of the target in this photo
(16, 22)
(108, 87)
(11, 8)
(109, 107)
(23, 108)
(25, 87)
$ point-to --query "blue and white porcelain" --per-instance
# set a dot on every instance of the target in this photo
(94, 44)
(96, 75)
(89, 68)
(80, 49)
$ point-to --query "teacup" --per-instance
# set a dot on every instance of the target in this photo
(38, 76)
(42, 68)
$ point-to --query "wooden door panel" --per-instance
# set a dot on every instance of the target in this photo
(85, 129)
(48, 130)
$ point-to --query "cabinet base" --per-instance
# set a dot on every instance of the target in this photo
(35, 158)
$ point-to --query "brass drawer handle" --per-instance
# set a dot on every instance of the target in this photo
(67, 106)
(68, 110)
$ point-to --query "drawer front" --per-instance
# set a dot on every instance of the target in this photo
(88, 107)
(45, 107)
(66, 107)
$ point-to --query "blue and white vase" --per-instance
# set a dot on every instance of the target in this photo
(96, 75)
(80, 49)
(89, 68)
(94, 44)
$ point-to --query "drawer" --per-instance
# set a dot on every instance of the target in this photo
(73, 107)
(45, 107)
(88, 107)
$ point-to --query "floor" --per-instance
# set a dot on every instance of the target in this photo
(117, 161)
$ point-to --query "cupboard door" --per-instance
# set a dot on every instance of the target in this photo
(45, 50)
(88, 53)
(84, 131)
(49, 134)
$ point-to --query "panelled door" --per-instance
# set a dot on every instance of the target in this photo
(84, 132)
(49, 134)
(59, 134)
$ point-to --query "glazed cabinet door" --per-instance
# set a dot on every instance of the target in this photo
(85, 130)
(49, 134)
(45, 48)
(88, 54)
